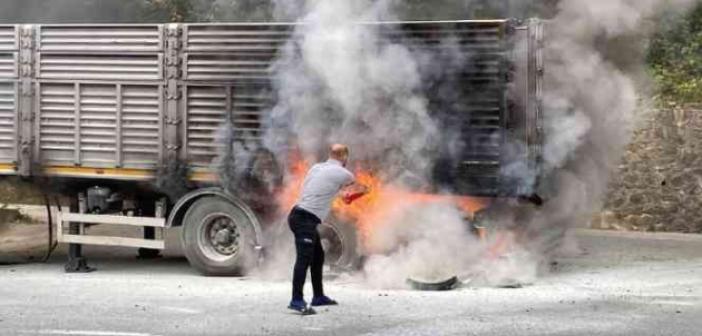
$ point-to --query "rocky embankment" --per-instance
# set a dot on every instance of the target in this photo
(658, 186)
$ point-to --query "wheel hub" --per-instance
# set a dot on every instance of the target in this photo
(223, 235)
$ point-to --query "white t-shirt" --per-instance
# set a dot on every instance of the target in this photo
(322, 183)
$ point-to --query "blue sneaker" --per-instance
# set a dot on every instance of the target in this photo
(301, 307)
(323, 301)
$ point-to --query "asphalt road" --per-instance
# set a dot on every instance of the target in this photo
(622, 284)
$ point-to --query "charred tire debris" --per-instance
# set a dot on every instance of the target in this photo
(440, 285)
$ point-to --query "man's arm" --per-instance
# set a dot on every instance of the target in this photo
(353, 191)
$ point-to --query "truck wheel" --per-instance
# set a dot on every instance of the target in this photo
(218, 237)
(340, 243)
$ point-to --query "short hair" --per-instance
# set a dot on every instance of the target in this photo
(338, 151)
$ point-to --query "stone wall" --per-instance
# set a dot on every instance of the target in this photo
(658, 186)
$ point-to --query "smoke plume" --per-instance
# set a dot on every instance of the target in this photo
(595, 91)
(339, 81)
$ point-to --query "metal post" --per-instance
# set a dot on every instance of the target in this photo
(173, 94)
(150, 232)
(535, 94)
(76, 124)
(26, 103)
(119, 130)
(76, 262)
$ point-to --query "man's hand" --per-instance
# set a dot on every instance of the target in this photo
(354, 192)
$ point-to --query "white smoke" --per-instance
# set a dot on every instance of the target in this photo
(339, 81)
(430, 242)
(591, 103)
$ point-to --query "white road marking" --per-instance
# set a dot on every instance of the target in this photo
(675, 303)
(313, 328)
(181, 310)
(83, 332)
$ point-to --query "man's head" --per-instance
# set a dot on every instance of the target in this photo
(340, 153)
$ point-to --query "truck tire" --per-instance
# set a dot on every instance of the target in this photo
(340, 243)
(218, 238)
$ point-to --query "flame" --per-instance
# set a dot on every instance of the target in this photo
(383, 200)
(293, 186)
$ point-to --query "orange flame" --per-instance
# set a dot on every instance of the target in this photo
(293, 187)
(382, 200)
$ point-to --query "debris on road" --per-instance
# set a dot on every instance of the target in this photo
(442, 285)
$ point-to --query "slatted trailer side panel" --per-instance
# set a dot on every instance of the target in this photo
(9, 98)
(469, 100)
(232, 64)
(99, 96)
(227, 70)
(119, 101)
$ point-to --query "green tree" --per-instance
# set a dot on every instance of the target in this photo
(236, 10)
(675, 57)
(168, 10)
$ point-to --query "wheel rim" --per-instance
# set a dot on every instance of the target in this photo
(332, 243)
(220, 237)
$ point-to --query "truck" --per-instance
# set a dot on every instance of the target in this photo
(116, 116)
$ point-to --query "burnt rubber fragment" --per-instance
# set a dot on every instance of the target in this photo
(441, 285)
(510, 284)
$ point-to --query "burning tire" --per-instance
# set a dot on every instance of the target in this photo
(218, 237)
(340, 243)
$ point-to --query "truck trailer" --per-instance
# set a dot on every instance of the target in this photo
(116, 115)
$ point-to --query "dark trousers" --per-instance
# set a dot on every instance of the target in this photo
(309, 252)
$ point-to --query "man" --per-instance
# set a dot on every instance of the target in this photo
(322, 184)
